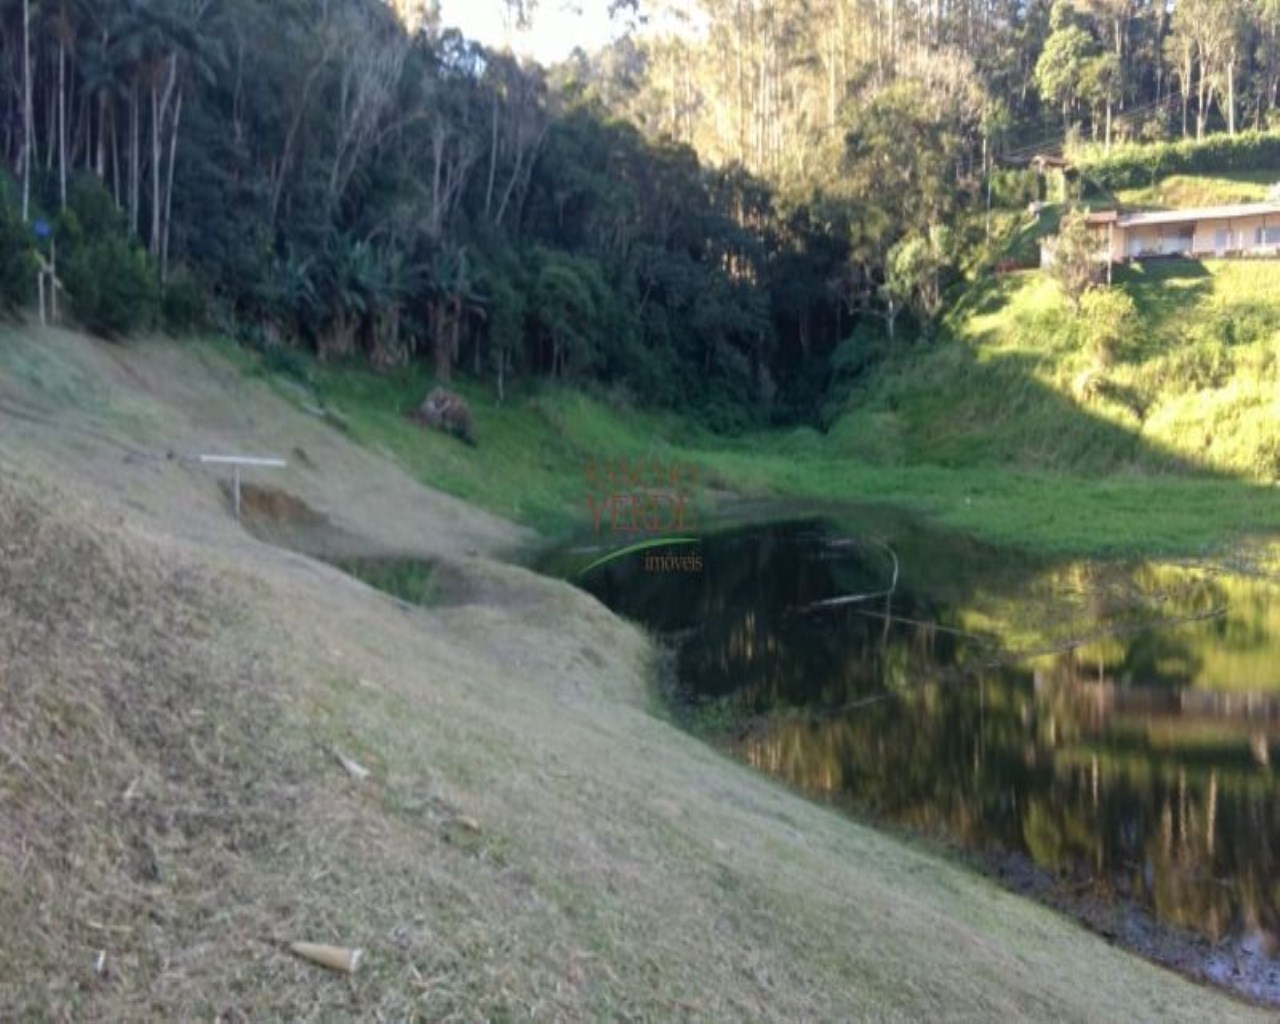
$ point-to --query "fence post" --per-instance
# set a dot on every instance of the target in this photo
(242, 460)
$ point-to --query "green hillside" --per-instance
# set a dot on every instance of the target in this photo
(184, 700)
(1186, 378)
(1180, 191)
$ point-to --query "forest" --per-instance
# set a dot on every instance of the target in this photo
(734, 220)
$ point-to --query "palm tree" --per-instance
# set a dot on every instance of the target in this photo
(105, 75)
(62, 26)
(453, 295)
(164, 50)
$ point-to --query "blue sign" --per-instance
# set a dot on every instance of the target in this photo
(43, 229)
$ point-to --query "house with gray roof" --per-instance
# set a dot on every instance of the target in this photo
(1242, 229)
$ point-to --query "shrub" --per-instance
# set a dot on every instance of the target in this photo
(111, 284)
(182, 305)
(1108, 320)
(18, 265)
(1266, 459)
(286, 362)
(1014, 189)
(1138, 166)
(1073, 265)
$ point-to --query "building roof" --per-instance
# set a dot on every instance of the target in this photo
(1238, 210)
(1042, 160)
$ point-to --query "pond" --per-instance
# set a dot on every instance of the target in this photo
(1103, 736)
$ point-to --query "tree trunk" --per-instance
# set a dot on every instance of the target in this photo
(160, 105)
(437, 173)
(82, 136)
(831, 81)
(168, 191)
(134, 154)
(893, 32)
(741, 90)
(290, 140)
(28, 114)
(156, 153)
(1200, 110)
(62, 124)
(1231, 95)
(102, 135)
(1186, 102)
(115, 160)
(455, 329)
(50, 127)
(440, 342)
(493, 158)
(986, 170)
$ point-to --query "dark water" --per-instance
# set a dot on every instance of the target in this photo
(1116, 726)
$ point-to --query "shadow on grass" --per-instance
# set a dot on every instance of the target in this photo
(1161, 270)
(997, 412)
(1183, 301)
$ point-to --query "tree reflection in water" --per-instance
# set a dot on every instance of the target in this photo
(1136, 751)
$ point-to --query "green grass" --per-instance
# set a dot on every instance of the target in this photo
(1045, 511)
(1182, 191)
(1190, 389)
(409, 579)
(960, 433)
(531, 452)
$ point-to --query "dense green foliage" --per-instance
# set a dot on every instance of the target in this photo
(739, 224)
(1188, 191)
(112, 287)
(1172, 369)
(18, 265)
(1140, 165)
(1074, 265)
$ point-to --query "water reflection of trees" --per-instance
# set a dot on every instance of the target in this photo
(1138, 755)
(997, 765)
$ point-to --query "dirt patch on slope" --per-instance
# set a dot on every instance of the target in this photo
(271, 506)
(278, 517)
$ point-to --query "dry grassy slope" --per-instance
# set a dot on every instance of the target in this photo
(171, 691)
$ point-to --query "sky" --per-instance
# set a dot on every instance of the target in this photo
(558, 26)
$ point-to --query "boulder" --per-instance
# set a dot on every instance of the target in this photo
(447, 411)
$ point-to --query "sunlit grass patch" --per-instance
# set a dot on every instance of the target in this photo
(1183, 191)
(1004, 426)
(1014, 382)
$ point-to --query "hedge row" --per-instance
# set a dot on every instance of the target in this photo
(1140, 165)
